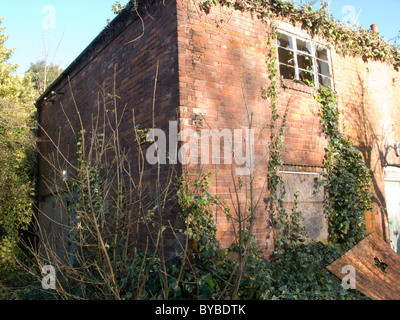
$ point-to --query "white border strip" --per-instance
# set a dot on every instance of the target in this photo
(300, 173)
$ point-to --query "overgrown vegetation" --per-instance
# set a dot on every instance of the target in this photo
(319, 22)
(346, 178)
(117, 7)
(298, 266)
(16, 156)
(99, 264)
(42, 75)
(136, 6)
(99, 255)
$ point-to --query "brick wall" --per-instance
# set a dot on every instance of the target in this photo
(131, 68)
(221, 71)
(222, 68)
(112, 60)
(369, 96)
(211, 71)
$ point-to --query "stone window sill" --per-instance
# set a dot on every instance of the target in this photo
(298, 86)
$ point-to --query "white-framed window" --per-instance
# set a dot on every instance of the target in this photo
(304, 60)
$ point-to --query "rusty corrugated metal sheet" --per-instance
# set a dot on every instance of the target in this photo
(377, 268)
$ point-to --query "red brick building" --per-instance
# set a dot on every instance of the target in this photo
(209, 69)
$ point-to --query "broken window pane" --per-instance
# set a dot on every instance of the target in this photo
(287, 72)
(322, 53)
(286, 56)
(305, 62)
(304, 46)
(323, 68)
(285, 41)
(306, 77)
(325, 81)
(301, 59)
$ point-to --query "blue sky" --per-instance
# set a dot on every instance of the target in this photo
(385, 13)
(66, 26)
(72, 24)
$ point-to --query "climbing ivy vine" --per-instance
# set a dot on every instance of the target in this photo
(345, 39)
(279, 215)
(347, 179)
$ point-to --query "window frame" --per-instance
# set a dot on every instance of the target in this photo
(296, 52)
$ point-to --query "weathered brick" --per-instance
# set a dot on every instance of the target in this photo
(217, 68)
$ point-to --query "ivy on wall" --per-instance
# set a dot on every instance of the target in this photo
(276, 187)
(346, 40)
(346, 179)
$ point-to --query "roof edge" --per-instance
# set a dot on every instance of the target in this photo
(104, 37)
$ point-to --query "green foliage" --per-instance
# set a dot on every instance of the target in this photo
(16, 155)
(296, 272)
(346, 40)
(276, 186)
(197, 213)
(43, 75)
(136, 6)
(117, 7)
(13, 88)
(87, 251)
(208, 271)
(347, 179)
(381, 265)
(298, 269)
(299, 273)
(290, 226)
(22, 285)
(211, 264)
(205, 270)
(143, 270)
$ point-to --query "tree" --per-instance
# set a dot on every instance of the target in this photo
(16, 149)
(43, 75)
